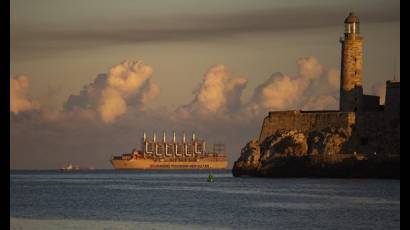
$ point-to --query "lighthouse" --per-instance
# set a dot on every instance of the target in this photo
(351, 90)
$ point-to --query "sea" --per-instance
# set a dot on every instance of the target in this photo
(109, 199)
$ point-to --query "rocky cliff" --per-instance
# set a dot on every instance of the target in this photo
(326, 153)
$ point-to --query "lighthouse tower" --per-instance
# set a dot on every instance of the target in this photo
(351, 90)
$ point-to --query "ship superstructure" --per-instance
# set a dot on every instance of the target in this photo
(173, 154)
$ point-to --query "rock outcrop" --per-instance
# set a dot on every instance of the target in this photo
(317, 153)
(249, 160)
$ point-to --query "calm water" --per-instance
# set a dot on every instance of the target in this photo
(184, 200)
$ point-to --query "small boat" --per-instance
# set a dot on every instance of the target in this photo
(210, 178)
(69, 167)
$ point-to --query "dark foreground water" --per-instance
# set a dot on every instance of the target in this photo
(184, 200)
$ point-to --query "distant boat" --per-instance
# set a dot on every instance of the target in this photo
(71, 167)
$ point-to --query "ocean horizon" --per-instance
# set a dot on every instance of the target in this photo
(110, 199)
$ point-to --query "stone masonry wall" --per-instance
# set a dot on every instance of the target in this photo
(351, 73)
(370, 131)
(305, 121)
(377, 132)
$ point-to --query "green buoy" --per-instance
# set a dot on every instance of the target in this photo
(210, 178)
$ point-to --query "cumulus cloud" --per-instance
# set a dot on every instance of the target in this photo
(314, 87)
(379, 89)
(216, 113)
(112, 105)
(218, 93)
(333, 79)
(19, 99)
(321, 102)
(309, 68)
(278, 92)
(126, 84)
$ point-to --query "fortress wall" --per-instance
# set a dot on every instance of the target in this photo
(392, 102)
(305, 121)
(371, 131)
(371, 103)
(378, 132)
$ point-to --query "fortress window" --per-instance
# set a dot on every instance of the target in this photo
(364, 141)
(355, 109)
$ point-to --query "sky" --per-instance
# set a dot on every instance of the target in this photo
(88, 77)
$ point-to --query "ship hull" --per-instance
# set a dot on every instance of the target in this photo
(147, 164)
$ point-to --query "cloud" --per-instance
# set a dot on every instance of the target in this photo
(191, 27)
(112, 105)
(309, 68)
(379, 89)
(126, 84)
(218, 93)
(121, 97)
(278, 92)
(19, 99)
(333, 79)
(129, 85)
(314, 87)
(321, 102)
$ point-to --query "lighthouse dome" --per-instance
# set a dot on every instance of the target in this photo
(352, 18)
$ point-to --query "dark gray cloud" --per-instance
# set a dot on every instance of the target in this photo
(82, 100)
(190, 27)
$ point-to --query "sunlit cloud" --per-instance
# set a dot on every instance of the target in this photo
(218, 93)
(19, 98)
(109, 114)
(379, 89)
(126, 84)
(314, 87)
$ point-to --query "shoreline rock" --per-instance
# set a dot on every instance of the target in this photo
(326, 153)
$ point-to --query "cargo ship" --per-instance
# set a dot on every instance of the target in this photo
(172, 155)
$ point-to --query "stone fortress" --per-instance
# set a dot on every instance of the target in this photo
(361, 127)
